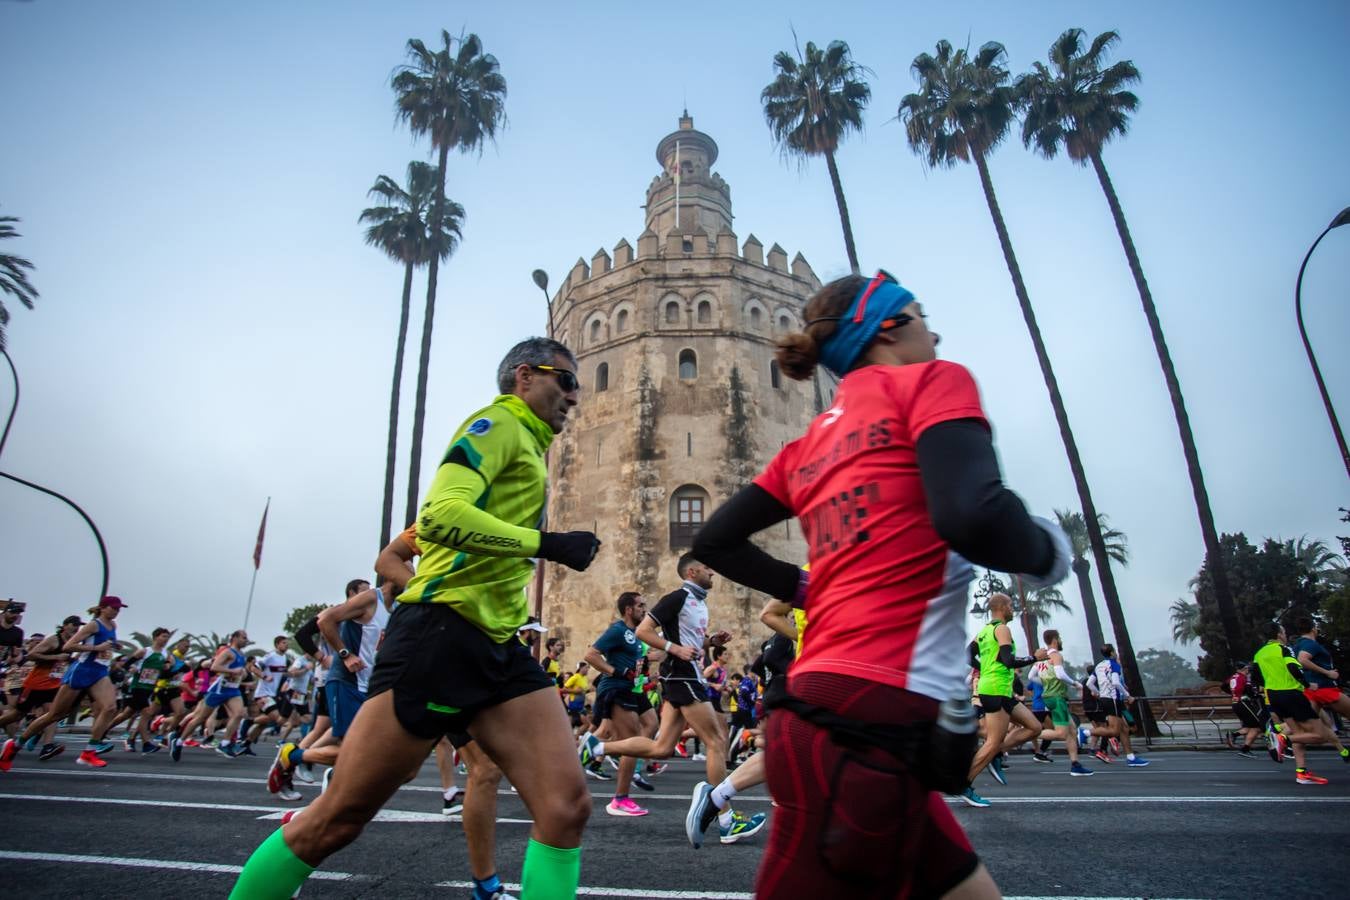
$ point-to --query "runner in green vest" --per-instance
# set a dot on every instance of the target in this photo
(995, 689)
(1055, 683)
(1284, 681)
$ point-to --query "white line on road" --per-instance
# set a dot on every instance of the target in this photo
(177, 804)
(400, 815)
(585, 891)
(213, 868)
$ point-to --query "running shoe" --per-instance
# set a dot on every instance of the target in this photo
(305, 772)
(244, 749)
(656, 768)
(1306, 777)
(1137, 762)
(642, 782)
(454, 805)
(996, 769)
(32, 743)
(1078, 770)
(156, 722)
(679, 748)
(613, 763)
(1103, 756)
(624, 807)
(1041, 757)
(226, 750)
(586, 752)
(176, 749)
(742, 827)
(277, 775)
(1114, 743)
(90, 758)
(696, 820)
(698, 757)
(102, 746)
(289, 794)
(1084, 735)
(327, 777)
(1345, 755)
(290, 814)
(151, 747)
(191, 742)
(208, 741)
(974, 799)
(129, 745)
(51, 751)
(1246, 754)
(7, 754)
(595, 771)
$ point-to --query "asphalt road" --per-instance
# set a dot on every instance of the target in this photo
(1191, 825)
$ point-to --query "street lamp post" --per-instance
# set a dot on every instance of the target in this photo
(541, 279)
(102, 549)
(1342, 219)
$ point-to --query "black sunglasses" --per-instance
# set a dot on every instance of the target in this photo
(567, 380)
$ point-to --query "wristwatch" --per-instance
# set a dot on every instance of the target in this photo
(344, 653)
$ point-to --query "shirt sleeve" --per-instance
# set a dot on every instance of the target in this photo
(409, 537)
(451, 515)
(942, 392)
(774, 477)
(666, 614)
(605, 643)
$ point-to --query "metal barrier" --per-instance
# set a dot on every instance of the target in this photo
(1181, 720)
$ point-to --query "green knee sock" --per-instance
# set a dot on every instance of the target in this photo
(273, 872)
(550, 873)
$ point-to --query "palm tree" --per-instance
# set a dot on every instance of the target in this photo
(13, 276)
(1116, 549)
(1035, 606)
(1080, 106)
(1185, 621)
(401, 228)
(456, 95)
(1316, 562)
(963, 110)
(811, 105)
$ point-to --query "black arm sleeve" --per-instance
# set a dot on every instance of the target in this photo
(306, 634)
(723, 544)
(1005, 656)
(973, 654)
(971, 509)
(1297, 671)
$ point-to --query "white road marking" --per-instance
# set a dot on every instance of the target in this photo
(400, 815)
(176, 804)
(584, 891)
(180, 865)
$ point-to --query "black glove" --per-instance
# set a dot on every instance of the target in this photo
(574, 549)
(625, 674)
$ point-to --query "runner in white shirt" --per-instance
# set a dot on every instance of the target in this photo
(1113, 697)
(269, 696)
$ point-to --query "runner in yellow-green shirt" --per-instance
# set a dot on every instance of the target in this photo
(1275, 667)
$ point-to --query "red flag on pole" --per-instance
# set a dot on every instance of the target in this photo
(262, 529)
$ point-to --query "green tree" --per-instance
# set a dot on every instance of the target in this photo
(206, 644)
(401, 227)
(1269, 582)
(13, 275)
(1080, 104)
(456, 96)
(814, 101)
(1185, 621)
(962, 112)
(300, 615)
(1164, 672)
(1117, 549)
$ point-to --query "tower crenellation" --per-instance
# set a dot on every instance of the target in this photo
(682, 400)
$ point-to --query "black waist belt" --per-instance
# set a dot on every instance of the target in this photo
(901, 741)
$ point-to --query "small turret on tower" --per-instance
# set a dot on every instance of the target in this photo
(688, 197)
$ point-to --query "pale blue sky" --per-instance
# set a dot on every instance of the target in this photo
(213, 331)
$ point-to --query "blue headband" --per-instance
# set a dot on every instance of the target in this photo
(880, 300)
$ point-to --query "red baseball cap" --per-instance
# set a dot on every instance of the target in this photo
(115, 602)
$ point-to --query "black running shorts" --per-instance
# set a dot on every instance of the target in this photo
(992, 703)
(682, 692)
(1291, 705)
(444, 670)
(1250, 713)
(621, 698)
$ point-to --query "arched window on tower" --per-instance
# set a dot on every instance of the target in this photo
(704, 312)
(784, 323)
(672, 313)
(621, 322)
(602, 377)
(688, 510)
(775, 376)
(595, 332)
(688, 365)
(756, 318)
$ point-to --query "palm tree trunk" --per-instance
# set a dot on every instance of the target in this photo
(424, 362)
(843, 212)
(391, 451)
(1125, 649)
(1094, 619)
(1214, 558)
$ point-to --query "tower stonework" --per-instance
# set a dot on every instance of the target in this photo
(682, 403)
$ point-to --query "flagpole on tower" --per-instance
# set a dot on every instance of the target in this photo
(257, 562)
(677, 183)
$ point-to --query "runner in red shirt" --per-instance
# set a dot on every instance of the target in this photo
(895, 486)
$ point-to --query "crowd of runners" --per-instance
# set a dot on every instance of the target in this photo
(853, 711)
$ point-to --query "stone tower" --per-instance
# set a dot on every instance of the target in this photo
(682, 402)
